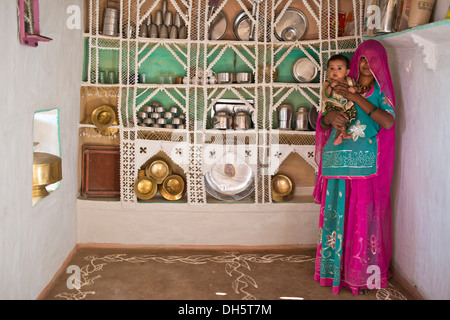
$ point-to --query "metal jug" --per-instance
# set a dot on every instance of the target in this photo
(111, 20)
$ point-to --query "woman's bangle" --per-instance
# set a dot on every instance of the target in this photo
(326, 125)
(370, 113)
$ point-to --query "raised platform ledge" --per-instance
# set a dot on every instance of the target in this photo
(212, 224)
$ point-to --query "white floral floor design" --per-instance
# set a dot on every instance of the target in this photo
(237, 266)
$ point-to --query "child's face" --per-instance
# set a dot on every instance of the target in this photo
(337, 70)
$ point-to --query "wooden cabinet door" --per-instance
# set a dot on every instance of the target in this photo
(101, 172)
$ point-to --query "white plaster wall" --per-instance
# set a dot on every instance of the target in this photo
(34, 242)
(421, 186)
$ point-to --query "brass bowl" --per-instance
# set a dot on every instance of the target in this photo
(172, 187)
(47, 170)
(282, 188)
(145, 188)
(103, 117)
(158, 170)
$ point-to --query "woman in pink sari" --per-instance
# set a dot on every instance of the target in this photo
(354, 180)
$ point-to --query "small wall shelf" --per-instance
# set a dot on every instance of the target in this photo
(431, 38)
(29, 24)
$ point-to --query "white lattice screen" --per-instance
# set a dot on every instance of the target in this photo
(190, 147)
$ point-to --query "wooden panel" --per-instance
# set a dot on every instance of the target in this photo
(101, 172)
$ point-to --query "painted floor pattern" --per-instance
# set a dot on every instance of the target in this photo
(193, 274)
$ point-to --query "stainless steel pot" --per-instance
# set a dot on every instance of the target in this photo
(244, 77)
(222, 121)
(148, 121)
(301, 119)
(177, 121)
(225, 77)
(148, 109)
(159, 109)
(242, 121)
(142, 115)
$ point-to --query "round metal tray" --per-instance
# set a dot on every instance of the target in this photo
(231, 181)
(304, 70)
(294, 22)
(218, 27)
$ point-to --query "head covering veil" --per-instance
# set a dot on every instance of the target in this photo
(376, 55)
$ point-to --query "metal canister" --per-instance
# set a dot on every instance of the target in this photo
(301, 119)
(388, 9)
(284, 116)
(111, 20)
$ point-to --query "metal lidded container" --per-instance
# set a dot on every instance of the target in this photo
(304, 70)
(111, 20)
(301, 119)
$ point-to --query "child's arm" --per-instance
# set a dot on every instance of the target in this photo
(327, 89)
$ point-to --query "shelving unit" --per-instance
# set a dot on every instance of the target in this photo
(190, 149)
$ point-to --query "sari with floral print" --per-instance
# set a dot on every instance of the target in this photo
(353, 188)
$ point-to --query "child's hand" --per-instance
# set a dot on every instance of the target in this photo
(334, 83)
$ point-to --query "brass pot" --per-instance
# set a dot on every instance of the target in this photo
(47, 170)
(282, 188)
(173, 187)
(158, 170)
(145, 187)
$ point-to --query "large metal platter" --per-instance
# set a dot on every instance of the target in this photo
(218, 27)
(304, 70)
(293, 24)
(231, 181)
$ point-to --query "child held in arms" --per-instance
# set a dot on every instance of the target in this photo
(338, 68)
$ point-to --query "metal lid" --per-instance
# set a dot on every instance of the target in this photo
(302, 109)
(304, 70)
(291, 19)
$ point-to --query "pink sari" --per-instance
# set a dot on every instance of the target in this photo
(366, 243)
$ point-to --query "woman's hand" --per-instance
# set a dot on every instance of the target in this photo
(342, 89)
(337, 119)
